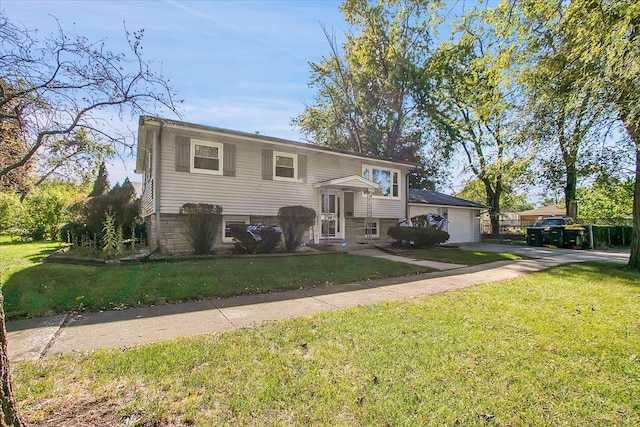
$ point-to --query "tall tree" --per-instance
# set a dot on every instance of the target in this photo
(568, 123)
(54, 87)
(364, 101)
(465, 91)
(62, 84)
(12, 144)
(604, 37)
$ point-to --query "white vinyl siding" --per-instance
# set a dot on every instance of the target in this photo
(249, 193)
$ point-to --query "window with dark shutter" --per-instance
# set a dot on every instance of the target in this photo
(302, 167)
(183, 156)
(229, 168)
(267, 164)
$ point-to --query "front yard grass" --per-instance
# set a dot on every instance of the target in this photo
(44, 289)
(558, 347)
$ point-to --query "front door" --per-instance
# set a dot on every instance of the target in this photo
(331, 215)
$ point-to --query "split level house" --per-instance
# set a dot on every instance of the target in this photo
(356, 197)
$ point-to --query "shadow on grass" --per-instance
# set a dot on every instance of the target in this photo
(606, 269)
(154, 289)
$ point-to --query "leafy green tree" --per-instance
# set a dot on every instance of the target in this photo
(10, 211)
(119, 202)
(568, 123)
(465, 90)
(511, 201)
(46, 208)
(54, 87)
(364, 101)
(606, 198)
(101, 184)
(602, 37)
(12, 145)
(59, 109)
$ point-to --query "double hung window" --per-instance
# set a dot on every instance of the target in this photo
(285, 166)
(206, 157)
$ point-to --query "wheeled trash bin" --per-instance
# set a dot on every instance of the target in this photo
(534, 236)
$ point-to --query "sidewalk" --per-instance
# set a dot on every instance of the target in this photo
(38, 338)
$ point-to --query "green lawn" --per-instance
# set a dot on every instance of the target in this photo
(458, 256)
(34, 289)
(15, 256)
(558, 347)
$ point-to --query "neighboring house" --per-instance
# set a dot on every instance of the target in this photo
(463, 216)
(527, 218)
(356, 198)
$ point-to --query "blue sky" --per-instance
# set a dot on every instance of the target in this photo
(241, 65)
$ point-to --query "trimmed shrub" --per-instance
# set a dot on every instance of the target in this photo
(417, 237)
(294, 220)
(72, 232)
(202, 222)
(255, 239)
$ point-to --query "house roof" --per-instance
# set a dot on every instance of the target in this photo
(427, 197)
(550, 210)
(351, 182)
(244, 135)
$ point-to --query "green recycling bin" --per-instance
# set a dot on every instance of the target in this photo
(556, 237)
(574, 237)
(534, 236)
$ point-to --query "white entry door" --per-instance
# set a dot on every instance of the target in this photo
(331, 215)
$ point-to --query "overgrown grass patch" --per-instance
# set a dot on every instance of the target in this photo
(460, 256)
(46, 289)
(552, 348)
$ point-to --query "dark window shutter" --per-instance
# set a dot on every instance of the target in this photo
(302, 167)
(183, 155)
(229, 157)
(267, 164)
(348, 203)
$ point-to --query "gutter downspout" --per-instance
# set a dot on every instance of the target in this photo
(157, 183)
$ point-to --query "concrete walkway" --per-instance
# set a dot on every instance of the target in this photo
(39, 338)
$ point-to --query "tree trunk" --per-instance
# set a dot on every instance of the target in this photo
(570, 188)
(493, 200)
(634, 257)
(632, 124)
(10, 413)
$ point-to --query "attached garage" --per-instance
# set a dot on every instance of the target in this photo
(462, 216)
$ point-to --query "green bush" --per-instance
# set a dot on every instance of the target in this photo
(72, 232)
(43, 212)
(10, 211)
(246, 242)
(121, 201)
(294, 220)
(202, 222)
(417, 237)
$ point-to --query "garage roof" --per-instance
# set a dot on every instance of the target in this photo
(428, 197)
